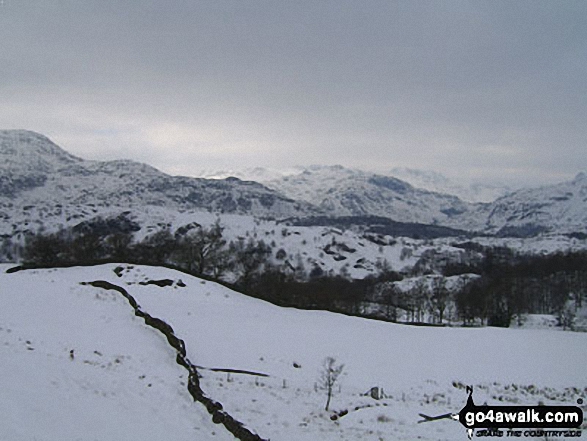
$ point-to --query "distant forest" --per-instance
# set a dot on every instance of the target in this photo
(493, 290)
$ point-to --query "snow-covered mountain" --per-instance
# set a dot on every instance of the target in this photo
(39, 180)
(257, 174)
(40, 183)
(437, 182)
(422, 179)
(560, 208)
(340, 191)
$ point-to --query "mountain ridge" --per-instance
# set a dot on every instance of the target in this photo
(41, 180)
(423, 179)
(47, 173)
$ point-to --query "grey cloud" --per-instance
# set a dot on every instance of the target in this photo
(441, 85)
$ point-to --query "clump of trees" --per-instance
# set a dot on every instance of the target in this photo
(198, 250)
(495, 288)
(511, 285)
(201, 251)
(426, 300)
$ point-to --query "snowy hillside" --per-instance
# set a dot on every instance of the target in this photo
(120, 382)
(433, 181)
(260, 361)
(558, 208)
(339, 191)
(422, 179)
(331, 249)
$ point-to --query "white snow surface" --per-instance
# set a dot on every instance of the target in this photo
(104, 392)
(122, 383)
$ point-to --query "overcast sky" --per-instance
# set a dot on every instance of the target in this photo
(487, 90)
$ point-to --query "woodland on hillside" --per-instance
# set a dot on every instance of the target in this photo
(495, 290)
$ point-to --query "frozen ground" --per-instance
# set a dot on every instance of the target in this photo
(123, 382)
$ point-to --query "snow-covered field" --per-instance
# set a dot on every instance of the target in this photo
(123, 383)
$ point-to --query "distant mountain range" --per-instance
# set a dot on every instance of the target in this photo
(340, 191)
(40, 182)
(423, 179)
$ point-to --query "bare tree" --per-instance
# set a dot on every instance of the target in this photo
(567, 314)
(249, 259)
(155, 248)
(389, 294)
(418, 297)
(118, 244)
(439, 299)
(201, 251)
(329, 375)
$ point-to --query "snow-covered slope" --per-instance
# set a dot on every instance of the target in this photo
(257, 174)
(123, 382)
(422, 179)
(437, 182)
(560, 208)
(120, 382)
(340, 191)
